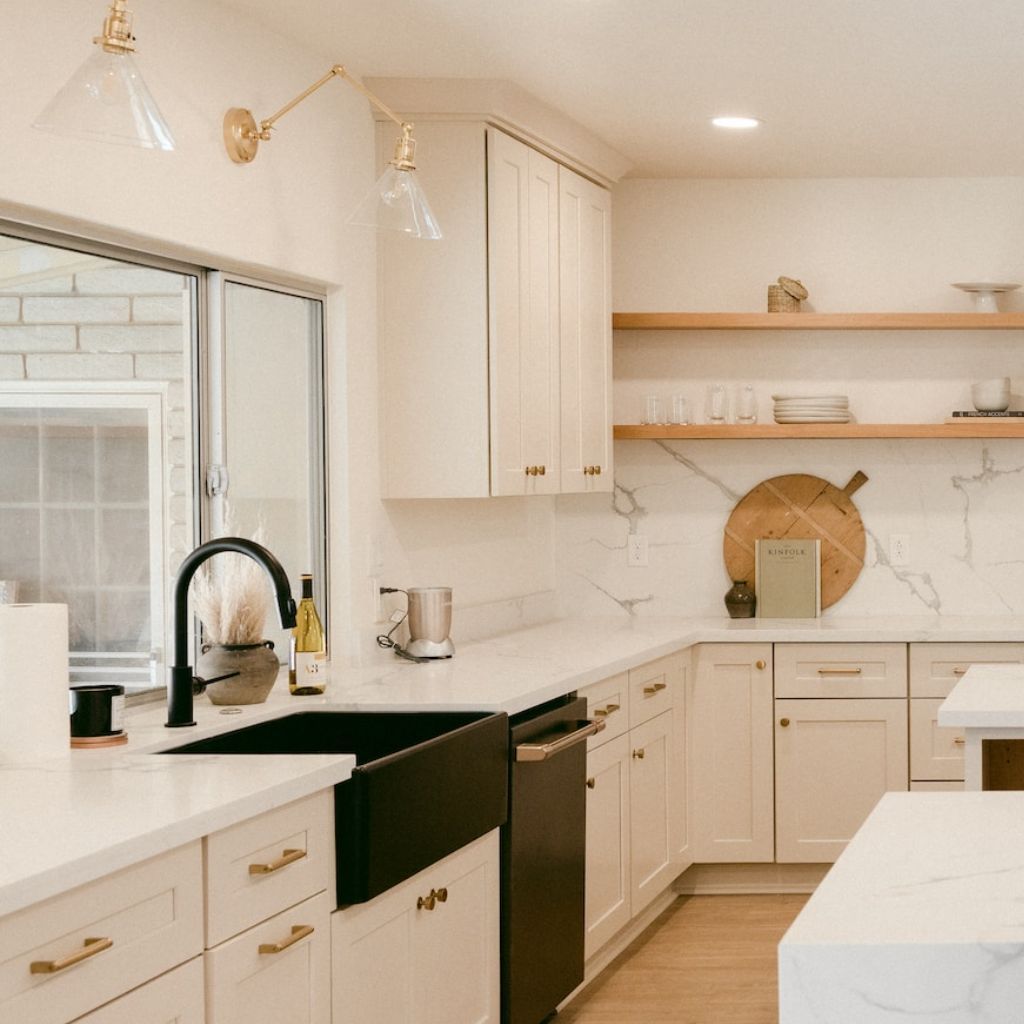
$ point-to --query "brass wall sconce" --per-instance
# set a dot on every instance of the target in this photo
(106, 98)
(396, 201)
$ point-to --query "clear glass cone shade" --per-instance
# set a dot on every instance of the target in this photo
(397, 202)
(107, 99)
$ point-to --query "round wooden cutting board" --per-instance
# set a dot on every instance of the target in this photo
(804, 507)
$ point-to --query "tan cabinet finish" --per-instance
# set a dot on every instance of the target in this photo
(834, 759)
(654, 688)
(936, 752)
(141, 922)
(731, 762)
(410, 955)
(277, 972)
(173, 998)
(840, 670)
(608, 701)
(936, 668)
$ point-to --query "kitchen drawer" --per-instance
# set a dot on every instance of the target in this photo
(608, 700)
(151, 913)
(277, 971)
(840, 670)
(936, 752)
(268, 863)
(173, 998)
(937, 787)
(653, 688)
(936, 668)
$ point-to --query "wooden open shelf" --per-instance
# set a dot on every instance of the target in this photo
(812, 431)
(817, 321)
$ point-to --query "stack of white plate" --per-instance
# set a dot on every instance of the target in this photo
(812, 408)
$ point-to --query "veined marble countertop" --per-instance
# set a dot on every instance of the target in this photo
(988, 696)
(70, 820)
(920, 919)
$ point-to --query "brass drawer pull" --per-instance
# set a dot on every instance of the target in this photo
(287, 857)
(299, 932)
(639, 754)
(591, 783)
(91, 948)
(429, 902)
(959, 741)
(959, 671)
(542, 470)
(839, 671)
(597, 471)
(442, 894)
(650, 691)
(608, 709)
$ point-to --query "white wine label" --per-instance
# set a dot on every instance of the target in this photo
(116, 714)
(308, 665)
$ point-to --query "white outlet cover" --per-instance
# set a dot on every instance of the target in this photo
(636, 550)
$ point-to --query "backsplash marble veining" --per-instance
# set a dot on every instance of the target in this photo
(960, 502)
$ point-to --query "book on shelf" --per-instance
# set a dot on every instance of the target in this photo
(787, 578)
(1006, 414)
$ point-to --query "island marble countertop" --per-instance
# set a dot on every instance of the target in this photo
(920, 919)
(988, 696)
(69, 820)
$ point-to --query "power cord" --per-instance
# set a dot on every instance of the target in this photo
(386, 641)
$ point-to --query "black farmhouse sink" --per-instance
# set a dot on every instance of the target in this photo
(424, 784)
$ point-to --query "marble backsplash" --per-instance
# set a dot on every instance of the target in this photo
(960, 502)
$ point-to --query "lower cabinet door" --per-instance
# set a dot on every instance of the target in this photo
(608, 838)
(426, 951)
(174, 998)
(277, 972)
(833, 761)
(652, 791)
(936, 752)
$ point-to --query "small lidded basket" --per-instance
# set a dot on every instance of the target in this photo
(786, 296)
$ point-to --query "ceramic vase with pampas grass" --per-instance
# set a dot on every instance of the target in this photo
(232, 599)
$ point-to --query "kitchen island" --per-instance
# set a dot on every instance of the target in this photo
(920, 919)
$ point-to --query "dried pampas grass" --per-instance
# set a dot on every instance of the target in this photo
(231, 595)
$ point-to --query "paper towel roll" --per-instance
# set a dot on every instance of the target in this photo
(34, 720)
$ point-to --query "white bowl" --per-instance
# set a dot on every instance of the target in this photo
(991, 395)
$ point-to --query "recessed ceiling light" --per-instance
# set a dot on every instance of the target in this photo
(736, 122)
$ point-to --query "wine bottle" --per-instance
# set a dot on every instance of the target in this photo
(307, 656)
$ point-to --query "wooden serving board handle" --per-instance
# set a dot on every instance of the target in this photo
(857, 481)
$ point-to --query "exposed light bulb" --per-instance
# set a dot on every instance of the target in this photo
(733, 121)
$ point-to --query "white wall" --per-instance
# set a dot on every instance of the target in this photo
(858, 245)
(284, 215)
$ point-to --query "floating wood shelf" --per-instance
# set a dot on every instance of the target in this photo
(811, 431)
(817, 321)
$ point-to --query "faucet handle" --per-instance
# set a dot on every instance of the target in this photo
(199, 685)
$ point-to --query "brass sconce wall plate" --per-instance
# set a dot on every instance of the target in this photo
(241, 135)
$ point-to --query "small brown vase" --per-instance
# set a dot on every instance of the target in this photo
(256, 664)
(740, 600)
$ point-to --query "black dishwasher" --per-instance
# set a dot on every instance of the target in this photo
(543, 848)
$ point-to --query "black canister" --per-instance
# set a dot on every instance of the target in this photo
(97, 715)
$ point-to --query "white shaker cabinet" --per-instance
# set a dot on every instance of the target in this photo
(173, 998)
(731, 762)
(495, 342)
(425, 951)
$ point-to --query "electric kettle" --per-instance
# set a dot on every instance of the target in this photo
(430, 619)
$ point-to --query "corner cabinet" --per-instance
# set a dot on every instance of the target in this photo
(495, 342)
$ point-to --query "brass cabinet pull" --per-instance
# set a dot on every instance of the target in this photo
(91, 948)
(650, 691)
(429, 902)
(597, 471)
(591, 783)
(760, 663)
(959, 671)
(299, 932)
(287, 857)
(442, 894)
(608, 709)
(591, 470)
(959, 741)
(783, 722)
(839, 671)
(639, 754)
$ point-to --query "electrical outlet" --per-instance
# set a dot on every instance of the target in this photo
(636, 550)
(899, 549)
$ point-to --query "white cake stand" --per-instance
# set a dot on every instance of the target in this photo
(985, 293)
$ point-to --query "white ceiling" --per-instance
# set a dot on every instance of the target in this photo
(855, 88)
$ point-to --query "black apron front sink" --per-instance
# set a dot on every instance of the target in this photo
(424, 785)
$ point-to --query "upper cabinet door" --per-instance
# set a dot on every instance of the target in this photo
(586, 337)
(522, 190)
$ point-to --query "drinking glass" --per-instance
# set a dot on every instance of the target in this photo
(717, 405)
(680, 410)
(653, 410)
(746, 404)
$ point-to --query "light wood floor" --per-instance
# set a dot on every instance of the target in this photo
(706, 960)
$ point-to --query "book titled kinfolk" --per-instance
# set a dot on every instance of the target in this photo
(788, 578)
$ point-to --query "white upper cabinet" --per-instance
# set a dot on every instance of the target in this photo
(495, 368)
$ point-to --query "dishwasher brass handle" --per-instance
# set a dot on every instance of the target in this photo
(839, 671)
(299, 932)
(91, 948)
(287, 857)
(650, 691)
(608, 709)
(542, 751)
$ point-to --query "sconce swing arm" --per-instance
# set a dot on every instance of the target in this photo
(242, 133)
